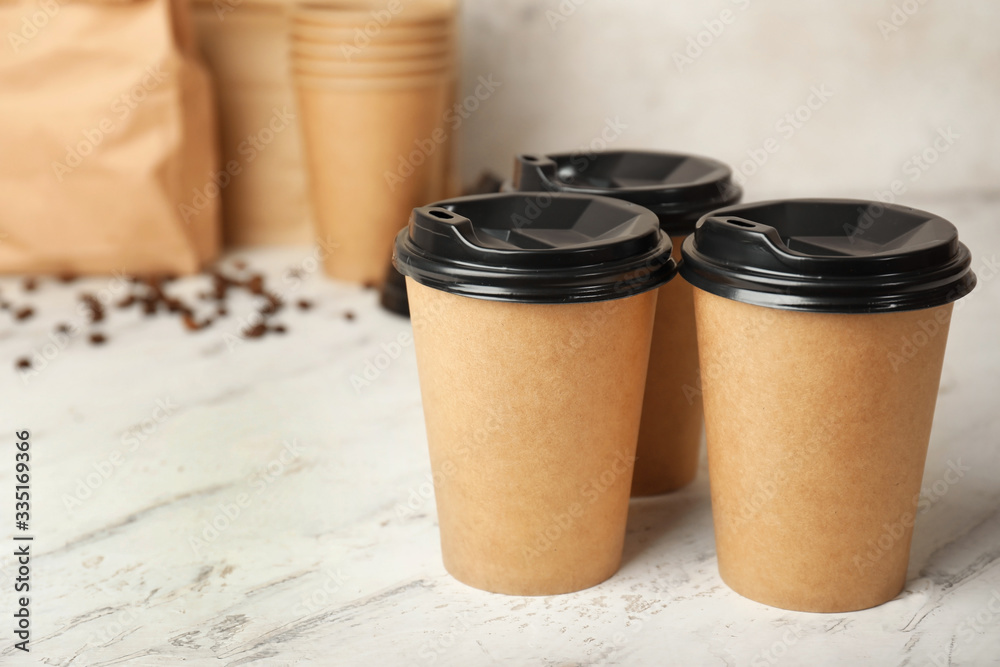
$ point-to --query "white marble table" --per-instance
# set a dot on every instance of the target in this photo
(325, 547)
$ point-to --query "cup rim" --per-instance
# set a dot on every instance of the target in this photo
(352, 70)
(358, 14)
(319, 81)
(371, 53)
(322, 35)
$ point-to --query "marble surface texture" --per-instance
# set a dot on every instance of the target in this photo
(324, 548)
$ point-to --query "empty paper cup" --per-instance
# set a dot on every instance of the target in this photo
(532, 318)
(373, 53)
(416, 67)
(373, 20)
(821, 328)
(373, 155)
(354, 39)
(679, 189)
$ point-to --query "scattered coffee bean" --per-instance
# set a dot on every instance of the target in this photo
(255, 284)
(256, 331)
(94, 306)
(368, 284)
(349, 315)
(148, 294)
(273, 305)
(189, 322)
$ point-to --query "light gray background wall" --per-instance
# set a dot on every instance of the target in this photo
(566, 67)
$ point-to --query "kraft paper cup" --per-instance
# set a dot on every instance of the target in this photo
(356, 39)
(821, 352)
(532, 432)
(679, 188)
(373, 53)
(421, 67)
(373, 19)
(367, 168)
(670, 433)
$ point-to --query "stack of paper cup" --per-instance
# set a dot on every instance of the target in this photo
(374, 87)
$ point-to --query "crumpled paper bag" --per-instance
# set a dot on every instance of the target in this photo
(108, 155)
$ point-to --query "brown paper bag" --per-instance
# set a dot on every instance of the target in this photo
(108, 158)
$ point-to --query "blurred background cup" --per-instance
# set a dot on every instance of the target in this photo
(413, 67)
(353, 46)
(679, 188)
(373, 53)
(821, 328)
(374, 87)
(532, 318)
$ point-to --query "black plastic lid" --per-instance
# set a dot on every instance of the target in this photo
(828, 255)
(535, 248)
(393, 297)
(678, 188)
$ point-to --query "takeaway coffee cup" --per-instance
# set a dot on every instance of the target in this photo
(821, 329)
(679, 189)
(532, 316)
